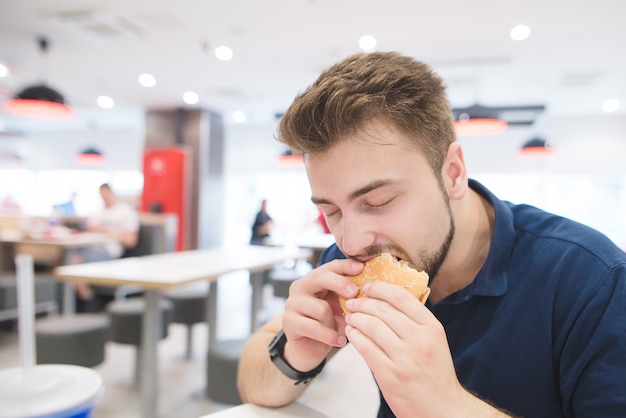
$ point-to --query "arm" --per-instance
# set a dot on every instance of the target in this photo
(313, 324)
(258, 380)
(128, 239)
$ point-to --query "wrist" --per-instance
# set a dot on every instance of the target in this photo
(475, 406)
(279, 359)
(290, 354)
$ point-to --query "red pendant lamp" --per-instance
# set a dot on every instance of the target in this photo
(477, 120)
(290, 160)
(40, 101)
(90, 156)
(535, 149)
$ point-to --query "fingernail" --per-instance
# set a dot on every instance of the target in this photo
(341, 341)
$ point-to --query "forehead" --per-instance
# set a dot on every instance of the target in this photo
(378, 152)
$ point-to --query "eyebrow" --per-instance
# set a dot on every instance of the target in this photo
(356, 194)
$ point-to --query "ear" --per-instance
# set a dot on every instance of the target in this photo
(454, 172)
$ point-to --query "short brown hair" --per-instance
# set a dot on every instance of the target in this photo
(387, 86)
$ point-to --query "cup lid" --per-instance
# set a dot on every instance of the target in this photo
(47, 390)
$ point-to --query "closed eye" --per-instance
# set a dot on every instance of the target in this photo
(330, 215)
(379, 206)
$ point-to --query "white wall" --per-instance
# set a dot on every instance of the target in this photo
(586, 179)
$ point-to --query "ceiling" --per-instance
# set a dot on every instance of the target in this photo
(572, 62)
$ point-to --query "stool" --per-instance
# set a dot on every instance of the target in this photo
(281, 279)
(222, 364)
(189, 308)
(77, 339)
(126, 323)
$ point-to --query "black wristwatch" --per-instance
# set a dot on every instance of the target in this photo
(277, 350)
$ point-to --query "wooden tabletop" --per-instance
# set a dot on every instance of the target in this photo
(164, 271)
(70, 240)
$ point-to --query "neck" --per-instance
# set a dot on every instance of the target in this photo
(474, 228)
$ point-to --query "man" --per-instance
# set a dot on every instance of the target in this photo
(262, 226)
(119, 222)
(526, 314)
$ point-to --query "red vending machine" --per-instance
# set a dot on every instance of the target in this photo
(166, 186)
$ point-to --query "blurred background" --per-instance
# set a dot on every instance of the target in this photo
(212, 78)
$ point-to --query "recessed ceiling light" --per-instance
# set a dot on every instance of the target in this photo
(239, 116)
(105, 102)
(4, 70)
(147, 80)
(520, 32)
(191, 97)
(367, 43)
(611, 105)
(223, 53)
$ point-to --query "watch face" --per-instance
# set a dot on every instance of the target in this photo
(277, 345)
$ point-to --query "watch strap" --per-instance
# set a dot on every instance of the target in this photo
(277, 350)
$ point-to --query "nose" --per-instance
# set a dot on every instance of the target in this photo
(356, 235)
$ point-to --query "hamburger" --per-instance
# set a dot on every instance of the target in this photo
(388, 268)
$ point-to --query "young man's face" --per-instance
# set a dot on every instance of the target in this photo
(379, 194)
(107, 196)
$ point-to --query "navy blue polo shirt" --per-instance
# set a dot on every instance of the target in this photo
(540, 332)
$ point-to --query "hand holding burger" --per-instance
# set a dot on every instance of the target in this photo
(387, 268)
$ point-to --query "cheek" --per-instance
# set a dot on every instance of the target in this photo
(420, 225)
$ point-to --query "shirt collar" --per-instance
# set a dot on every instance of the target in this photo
(491, 280)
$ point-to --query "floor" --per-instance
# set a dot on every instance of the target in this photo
(344, 389)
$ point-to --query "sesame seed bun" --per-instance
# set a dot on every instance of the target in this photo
(387, 268)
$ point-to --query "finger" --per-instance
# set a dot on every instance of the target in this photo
(397, 314)
(329, 277)
(372, 353)
(392, 319)
(300, 327)
(401, 299)
(311, 318)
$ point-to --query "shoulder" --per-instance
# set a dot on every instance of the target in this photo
(557, 237)
(331, 253)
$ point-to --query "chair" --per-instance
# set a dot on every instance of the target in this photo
(47, 295)
(189, 308)
(105, 294)
(126, 317)
(222, 364)
(146, 242)
(78, 339)
(281, 279)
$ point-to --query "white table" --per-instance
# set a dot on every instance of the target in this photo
(294, 410)
(160, 272)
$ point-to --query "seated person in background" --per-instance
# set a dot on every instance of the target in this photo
(119, 221)
(526, 315)
(66, 208)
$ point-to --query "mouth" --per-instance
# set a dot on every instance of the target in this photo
(405, 262)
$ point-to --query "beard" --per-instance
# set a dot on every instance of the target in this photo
(433, 262)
